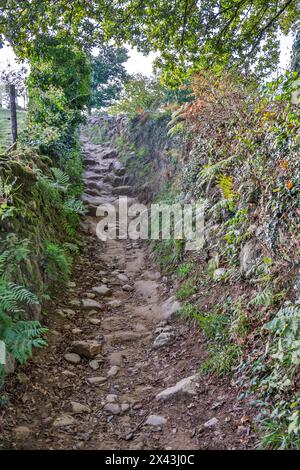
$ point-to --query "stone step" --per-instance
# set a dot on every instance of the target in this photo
(123, 191)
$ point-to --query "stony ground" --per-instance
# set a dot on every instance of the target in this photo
(120, 370)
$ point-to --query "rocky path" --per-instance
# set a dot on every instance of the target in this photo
(120, 371)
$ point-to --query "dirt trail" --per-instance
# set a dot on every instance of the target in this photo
(102, 393)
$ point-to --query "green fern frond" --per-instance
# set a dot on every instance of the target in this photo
(62, 180)
(210, 170)
(74, 206)
(22, 337)
(225, 184)
(265, 298)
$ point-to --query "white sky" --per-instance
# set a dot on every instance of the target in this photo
(138, 63)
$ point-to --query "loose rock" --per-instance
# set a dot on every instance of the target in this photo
(72, 358)
(102, 290)
(88, 349)
(96, 380)
(22, 433)
(155, 420)
(63, 421)
(88, 304)
(112, 408)
(113, 371)
(79, 408)
(187, 386)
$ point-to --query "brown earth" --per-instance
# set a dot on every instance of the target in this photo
(46, 395)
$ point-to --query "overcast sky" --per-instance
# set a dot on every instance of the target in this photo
(138, 63)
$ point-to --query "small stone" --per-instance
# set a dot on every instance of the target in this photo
(112, 408)
(113, 371)
(91, 295)
(111, 398)
(163, 339)
(94, 364)
(211, 423)
(68, 373)
(71, 284)
(127, 288)
(94, 321)
(76, 331)
(63, 421)
(125, 407)
(96, 380)
(122, 277)
(70, 313)
(114, 303)
(89, 348)
(102, 290)
(75, 303)
(60, 313)
(22, 433)
(155, 420)
(88, 304)
(78, 408)
(72, 358)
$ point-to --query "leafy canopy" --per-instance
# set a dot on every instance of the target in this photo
(187, 33)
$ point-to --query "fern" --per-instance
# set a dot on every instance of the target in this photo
(22, 337)
(11, 295)
(62, 180)
(210, 170)
(265, 298)
(225, 184)
(19, 336)
(74, 206)
(58, 262)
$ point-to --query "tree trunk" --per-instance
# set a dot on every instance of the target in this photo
(13, 113)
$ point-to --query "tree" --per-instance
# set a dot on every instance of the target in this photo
(188, 33)
(108, 75)
(295, 63)
(58, 88)
(140, 93)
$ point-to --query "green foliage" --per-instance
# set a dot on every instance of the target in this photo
(281, 429)
(185, 269)
(188, 311)
(295, 62)
(5, 126)
(213, 324)
(187, 289)
(56, 99)
(140, 94)
(186, 34)
(20, 336)
(7, 189)
(57, 263)
(221, 360)
(108, 75)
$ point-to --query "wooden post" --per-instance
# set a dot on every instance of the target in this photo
(13, 113)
